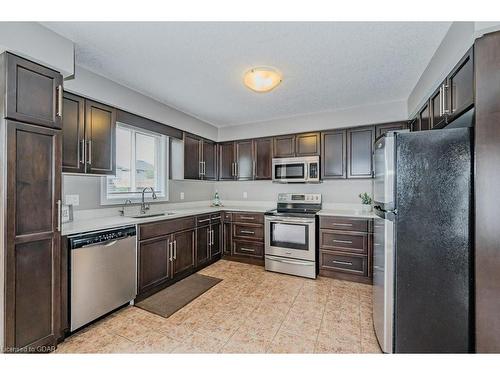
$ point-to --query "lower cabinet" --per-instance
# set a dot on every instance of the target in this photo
(154, 263)
(243, 236)
(182, 252)
(202, 245)
(346, 248)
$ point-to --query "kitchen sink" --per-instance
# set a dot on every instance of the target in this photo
(140, 216)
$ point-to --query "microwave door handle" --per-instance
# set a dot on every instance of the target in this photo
(306, 171)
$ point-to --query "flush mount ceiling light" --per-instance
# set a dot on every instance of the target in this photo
(262, 79)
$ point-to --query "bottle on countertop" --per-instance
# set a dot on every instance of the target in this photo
(216, 201)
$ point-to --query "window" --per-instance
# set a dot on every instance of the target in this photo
(141, 161)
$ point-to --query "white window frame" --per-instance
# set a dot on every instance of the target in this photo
(163, 163)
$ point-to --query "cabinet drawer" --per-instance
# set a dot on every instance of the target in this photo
(344, 241)
(162, 228)
(228, 216)
(202, 220)
(248, 217)
(353, 264)
(250, 249)
(343, 223)
(216, 218)
(253, 232)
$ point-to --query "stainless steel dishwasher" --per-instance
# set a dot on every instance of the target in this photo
(103, 273)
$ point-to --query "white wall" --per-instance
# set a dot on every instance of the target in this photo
(37, 43)
(456, 42)
(355, 116)
(102, 89)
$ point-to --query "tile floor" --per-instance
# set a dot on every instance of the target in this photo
(250, 311)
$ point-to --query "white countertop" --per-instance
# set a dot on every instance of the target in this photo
(108, 222)
(356, 213)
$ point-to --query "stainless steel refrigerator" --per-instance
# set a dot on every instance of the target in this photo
(422, 269)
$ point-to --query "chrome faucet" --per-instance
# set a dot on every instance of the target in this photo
(144, 205)
(122, 211)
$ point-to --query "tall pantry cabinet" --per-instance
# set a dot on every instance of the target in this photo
(30, 188)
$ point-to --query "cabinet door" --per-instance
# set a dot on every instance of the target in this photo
(438, 118)
(424, 118)
(227, 238)
(359, 152)
(100, 134)
(413, 125)
(263, 158)
(202, 245)
(284, 146)
(183, 257)
(192, 157)
(73, 160)
(307, 144)
(154, 263)
(34, 93)
(333, 155)
(461, 86)
(381, 129)
(32, 247)
(244, 160)
(209, 160)
(226, 161)
(216, 247)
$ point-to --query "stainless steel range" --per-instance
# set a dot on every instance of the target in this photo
(290, 235)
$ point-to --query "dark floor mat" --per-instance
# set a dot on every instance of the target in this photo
(169, 300)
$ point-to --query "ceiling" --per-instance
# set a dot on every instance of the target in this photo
(197, 67)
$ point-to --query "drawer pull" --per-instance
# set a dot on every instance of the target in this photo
(247, 249)
(247, 232)
(342, 224)
(215, 218)
(247, 217)
(343, 241)
(341, 262)
(202, 221)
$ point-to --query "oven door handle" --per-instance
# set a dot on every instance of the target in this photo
(289, 261)
(293, 221)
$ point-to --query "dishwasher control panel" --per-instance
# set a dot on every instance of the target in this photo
(91, 238)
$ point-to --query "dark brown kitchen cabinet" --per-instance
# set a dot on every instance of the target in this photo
(359, 152)
(202, 245)
(154, 263)
(100, 136)
(73, 134)
(226, 161)
(33, 93)
(183, 251)
(333, 163)
(437, 102)
(192, 157)
(381, 129)
(263, 156)
(307, 144)
(413, 124)
(424, 117)
(216, 244)
(32, 230)
(284, 146)
(461, 86)
(227, 241)
(244, 160)
(200, 158)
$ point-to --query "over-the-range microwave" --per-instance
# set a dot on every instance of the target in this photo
(299, 169)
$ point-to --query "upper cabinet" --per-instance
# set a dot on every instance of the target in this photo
(27, 85)
(333, 154)
(453, 97)
(89, 136)
(381, 129)
(244, 160)
(307, 144)
(200, 158)
(263, 154)
(359, 152)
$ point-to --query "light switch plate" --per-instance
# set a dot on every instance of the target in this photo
(245, 194)
(182, 195)
(73, 199)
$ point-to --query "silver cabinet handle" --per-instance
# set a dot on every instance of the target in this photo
(445, 94)
(343, 241)
(247, 217)
(254, 169)
(208, 237)
(232, 169)
(170, 251)
(59, 215)
(89, 158)
(441, 101)
(341, 262)
(175, 249)
(200, 168)
(247, 232)
(212, 237)
(202, 221)
(59, 100)
(204, 168)
(215, 218)
(342, 225)
(247, 249)
(82, 154)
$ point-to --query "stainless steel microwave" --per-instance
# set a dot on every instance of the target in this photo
(299, 169)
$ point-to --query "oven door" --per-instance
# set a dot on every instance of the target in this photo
(290, 237)
(284, 171)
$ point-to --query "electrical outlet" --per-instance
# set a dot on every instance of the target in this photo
(182, 195)
(73, 199)
(245, 195)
